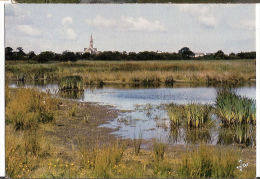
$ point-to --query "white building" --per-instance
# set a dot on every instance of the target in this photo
(91, 49)
(198, 55)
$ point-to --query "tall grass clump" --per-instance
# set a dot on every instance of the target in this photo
(101, 160)
(193, 115)
(29, 107)
(197, 115)
(24, 152)
(137, 144)
(234, 109)
(159, 150)
(71, 83)
(208, 162)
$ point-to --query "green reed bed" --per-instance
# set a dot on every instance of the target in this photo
(192, 115)
(234, 109)
(71, 83)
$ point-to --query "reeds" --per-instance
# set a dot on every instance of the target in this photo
(137, 144)
(29, 107)
(208, 162)
(71, 83)
(234, 109)
(193, 115)
(159, 150)
(138, 72)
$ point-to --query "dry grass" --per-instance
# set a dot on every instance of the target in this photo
(141, 72)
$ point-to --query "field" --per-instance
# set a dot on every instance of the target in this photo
(141, 72)
(54, 135)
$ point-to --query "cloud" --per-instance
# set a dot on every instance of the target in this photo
(67, 31)
(100, 21)
(127, 24)
(203, 14)
(66, 21)
(141, 24)
(49, 15)
(29, 30)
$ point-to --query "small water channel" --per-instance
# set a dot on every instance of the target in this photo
(143, 111)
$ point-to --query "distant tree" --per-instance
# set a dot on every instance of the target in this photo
(8, 53)
(232, 56)
(247, 55)
(85, 56)
(219, 55)
(44, 57)
(31, 55)
(68, 56)
(20, 51)
(186, 53)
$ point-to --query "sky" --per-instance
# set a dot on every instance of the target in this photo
(131, 27)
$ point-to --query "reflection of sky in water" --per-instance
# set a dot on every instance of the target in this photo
(153, 123)
(127, 99)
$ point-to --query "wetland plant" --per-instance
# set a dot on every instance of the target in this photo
(71, 83)
(158, 150)
(37, 108)
(137, 144)
(208, 162)
(234, 109)
(194, 115)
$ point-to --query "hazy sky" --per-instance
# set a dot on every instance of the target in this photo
(131, 27)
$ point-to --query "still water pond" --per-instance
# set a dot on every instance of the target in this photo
(144, 114)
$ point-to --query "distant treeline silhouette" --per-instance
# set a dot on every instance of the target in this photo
(183, 54)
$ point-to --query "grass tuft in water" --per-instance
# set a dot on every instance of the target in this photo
(234, 109)
(71, 83)
(193, 115)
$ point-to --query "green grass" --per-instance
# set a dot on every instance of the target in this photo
(29, 107)
(71, 83)
(208, 162)
(234, 109)
(137, 72)
(190, 115)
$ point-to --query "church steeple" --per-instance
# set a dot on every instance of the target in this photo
(91, 42)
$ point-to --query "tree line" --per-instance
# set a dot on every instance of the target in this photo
(183, 54)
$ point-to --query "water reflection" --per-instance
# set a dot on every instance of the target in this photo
(143, 106)
(242, 134)
(71, 94)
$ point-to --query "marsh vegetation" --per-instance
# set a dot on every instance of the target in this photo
(63, 132)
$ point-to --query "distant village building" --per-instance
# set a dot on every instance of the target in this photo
(196, 55)
(91, 48)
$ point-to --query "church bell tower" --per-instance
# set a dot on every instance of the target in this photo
(91, 42)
